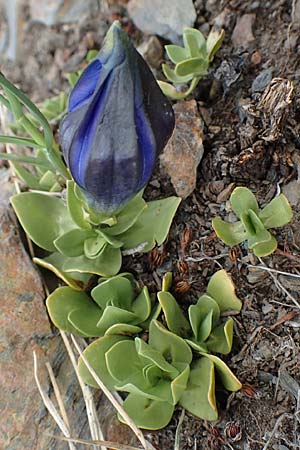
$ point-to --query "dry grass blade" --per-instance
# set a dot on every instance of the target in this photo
(58, 396)
(280, 286)
(178, 430)
(111, 445)
(95, 428)
(146, 445)
(50, 406)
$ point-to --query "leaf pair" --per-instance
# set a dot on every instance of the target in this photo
(254, 222)
(191, 61)
(113, 308)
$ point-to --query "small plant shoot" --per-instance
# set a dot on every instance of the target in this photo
(254, 224)
(191, 62)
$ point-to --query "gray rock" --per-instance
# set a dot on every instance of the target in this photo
(53, 12)
(261, 81)
(166, 18)
(292, 192)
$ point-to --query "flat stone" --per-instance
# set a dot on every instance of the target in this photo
(292, 192)
(53, 12)
(184, 151)
(166, 18)
(242, 34)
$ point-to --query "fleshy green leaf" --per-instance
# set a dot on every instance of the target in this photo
(153, 225)
(196, 66)
(213, 43)
(43, 217)
(55, 262)
(95, 355)
(194, 42)
(174, 348)
(72, 242)
(73, 311)
(123, 328)
(202, 317)
(146, 413)
(199, 397)
(127, 216)
(113, 315)
(176, 53)
(242, 199)
(230, 233)
(123, 363)
(172, 76)
(94, 246)
(175, 319)
(75, 208)
(141, 306)
(222, 290)
(265, 248)
(116, 290)
(220, 339)
(277, 213)
(170, 91)
(229, 380)
(179, 384)
(107, 264)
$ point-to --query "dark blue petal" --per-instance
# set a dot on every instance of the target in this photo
(117, 124)
(85, 86)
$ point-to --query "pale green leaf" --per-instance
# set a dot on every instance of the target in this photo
(241, 200)
(175, 319)
(277, 213)
(72, 242)
(153, 225)
(220, 339)
(199, 397)
(95, 355)
(176, 53)
(75, 208)
(222, 290)
(146, 413)
(43, 217)
(213, 42)
(193, 66)
(230, 233)
(229, 380)
(194, 41)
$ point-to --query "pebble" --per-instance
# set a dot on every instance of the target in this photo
(242, 34)
(292, 192)
(262, 80)
(184, 151)
(166, 18)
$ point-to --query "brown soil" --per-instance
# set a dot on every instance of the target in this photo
(253, 147)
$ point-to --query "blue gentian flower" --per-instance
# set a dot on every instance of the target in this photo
(117, 122)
